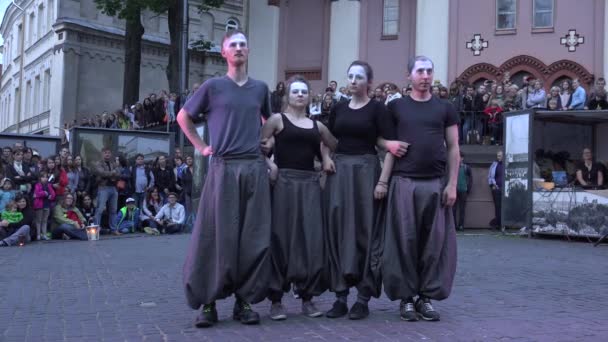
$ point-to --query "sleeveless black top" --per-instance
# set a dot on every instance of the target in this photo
(296, 147)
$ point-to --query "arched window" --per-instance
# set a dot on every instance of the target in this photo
(232, 24)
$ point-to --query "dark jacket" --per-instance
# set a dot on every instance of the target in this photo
(134, 176)
(84, 181)
(12, 174)
(469, 174)
(106, 176)
(164, 179)
(185, 181)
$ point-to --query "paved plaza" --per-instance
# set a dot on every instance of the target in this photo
(129, 289)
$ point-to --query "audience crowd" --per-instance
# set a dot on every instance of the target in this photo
(57, 197)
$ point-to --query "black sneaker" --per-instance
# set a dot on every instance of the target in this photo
(407, 310)
(207, 317)
(242, 312)
(339, 309)
(358, 311)
(425, 309)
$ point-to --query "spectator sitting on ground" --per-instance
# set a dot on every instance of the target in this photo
(151, 206)
(11, 214)
(87, 208)
(171, 217)
(128, 217)
(12, 233)
(69, 221)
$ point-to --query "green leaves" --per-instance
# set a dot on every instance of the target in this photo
(128, 9)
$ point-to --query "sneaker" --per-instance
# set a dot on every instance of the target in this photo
(125, 231)
(44, 237)
(407, 310)
(309, 309)
(339, 309)
(277, 312)
(149, 230)
(116, 232)
(358, 311)
(425, 309)
(207, 317)
(242, 312)
(65, 236)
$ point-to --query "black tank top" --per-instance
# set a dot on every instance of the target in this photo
(296, 147)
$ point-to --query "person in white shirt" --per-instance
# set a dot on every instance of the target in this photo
(171, 217)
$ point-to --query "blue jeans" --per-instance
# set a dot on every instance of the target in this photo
(69, 230)
(126, 227)
(139, 199)
(105, 195)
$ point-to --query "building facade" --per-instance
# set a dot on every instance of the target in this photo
(470, 40)
(63, 59)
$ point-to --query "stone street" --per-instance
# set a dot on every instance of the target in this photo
(129, 289)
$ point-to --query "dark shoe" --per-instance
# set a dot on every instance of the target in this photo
(207, 317)
(407, 311)
(339, 309)
(242, 312)
(460, 229)
(358, 311)
(426, 310)
(277, 312)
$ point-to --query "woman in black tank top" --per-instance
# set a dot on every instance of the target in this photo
(297, 253)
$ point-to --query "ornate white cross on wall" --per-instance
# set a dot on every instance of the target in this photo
(477, 44)
(572, 40)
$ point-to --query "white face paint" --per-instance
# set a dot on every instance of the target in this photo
(356, 74)
(298, 94)
(238, 40)
(299, 88)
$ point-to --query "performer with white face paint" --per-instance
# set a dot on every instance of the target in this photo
(229, 248)
(297, 252)
(419, 257)
(352, 196)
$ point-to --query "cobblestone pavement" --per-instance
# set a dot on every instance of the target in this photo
(129, 289)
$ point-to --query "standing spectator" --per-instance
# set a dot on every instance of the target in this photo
(185, 180)
(537, 98)
(128, 217)
(107, 173)
(463, 189)
(171, 104)
(73, 177)
(123, 185)
(468, 109)
(494, 117)
(148, 108)
(7, 155)
(379, 95)
(164, 177)
(44, 198)
(326, 107)
(496, 182)
(554, 94)
(392, 94)
(69, 221)
(84, 178)
(578, 97)
(87, 209)
(20, 173)
(443, 93)
(276, 98)
(138, 115)
(566, 95)
(12, 233)
(57, 177)
(142, 180)
(171, 217)
(589, 174)
(597, 99)
(159, 108)
(315, 106)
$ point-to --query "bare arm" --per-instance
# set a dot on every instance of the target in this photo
(395, 147)
(272, 126)
(600, 178)
(187, 126)
(451, 136)
(327, 138)
(382, 186)
(579, 178)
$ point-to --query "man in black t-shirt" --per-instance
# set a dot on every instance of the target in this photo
(419, 256)
(229, 248)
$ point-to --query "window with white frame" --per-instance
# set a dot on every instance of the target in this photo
(31, 30)
(390, 18)
(46, 99)
(27, 112)
(36, 102)
(40, 29)
(17, 102)
(543, 13)
(506, 14)
(232, 24)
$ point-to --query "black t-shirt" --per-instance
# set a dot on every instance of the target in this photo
(590, 176)
(358, 129)
(422, 125)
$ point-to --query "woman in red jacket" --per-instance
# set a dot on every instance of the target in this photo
(58, 178)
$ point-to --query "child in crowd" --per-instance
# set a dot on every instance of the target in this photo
(128, 217)
(553, 104)
(11, 214)
(6, 192)
(88, 209)
(44, 197)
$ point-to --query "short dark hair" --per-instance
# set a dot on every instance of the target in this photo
(369, 72)
(172, 194)
(139, 155)
(412, 62)
(106, 149)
